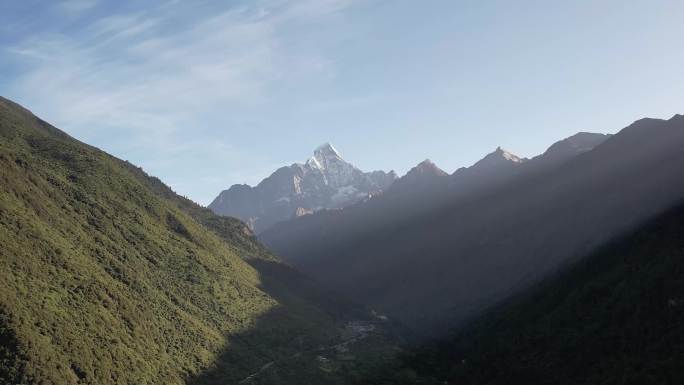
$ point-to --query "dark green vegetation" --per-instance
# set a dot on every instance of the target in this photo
(107, 276)
(616, 317)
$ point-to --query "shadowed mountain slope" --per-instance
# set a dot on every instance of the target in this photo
(108, 277)
(615, 317)
(470, 247)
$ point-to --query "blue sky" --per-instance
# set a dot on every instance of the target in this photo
(205, 94)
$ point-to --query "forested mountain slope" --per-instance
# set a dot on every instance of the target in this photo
(615, 317)
(108, 277)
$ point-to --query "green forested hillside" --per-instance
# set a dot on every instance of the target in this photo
(107, 276)
(617, 317)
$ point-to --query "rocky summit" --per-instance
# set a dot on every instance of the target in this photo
(324, 181)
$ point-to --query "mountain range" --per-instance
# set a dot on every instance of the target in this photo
(437, 256)
(564, 268)
(324, 181)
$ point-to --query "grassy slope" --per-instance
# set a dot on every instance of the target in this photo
(107, 276)
(615, 318)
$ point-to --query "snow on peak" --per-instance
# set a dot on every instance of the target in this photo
(326, 151)
(497, 158)
(313, 163)
(507, 155)
(336, 171)
(326, 157)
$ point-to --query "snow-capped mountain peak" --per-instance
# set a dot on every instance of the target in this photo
(507, 155)
(498, 158)
(324, 156)
(325, 180)
(326, 150)
(336, 171)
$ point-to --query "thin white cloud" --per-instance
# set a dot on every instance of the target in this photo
(316, 10)
(123, 26)
(77, 6)
(143, 79)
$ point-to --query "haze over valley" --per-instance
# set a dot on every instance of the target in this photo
(341, 192)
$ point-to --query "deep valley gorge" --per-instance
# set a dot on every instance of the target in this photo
(341, 192)
(76, 220)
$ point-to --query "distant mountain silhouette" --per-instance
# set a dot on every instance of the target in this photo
(435, 258)
(502, 166)
(424, 175)
(324, 181)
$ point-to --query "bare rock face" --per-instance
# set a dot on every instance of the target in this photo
(301, 211)
(324, 181)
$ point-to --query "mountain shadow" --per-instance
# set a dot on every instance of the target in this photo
(615, 317)
(354, 344)
(11, 358)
